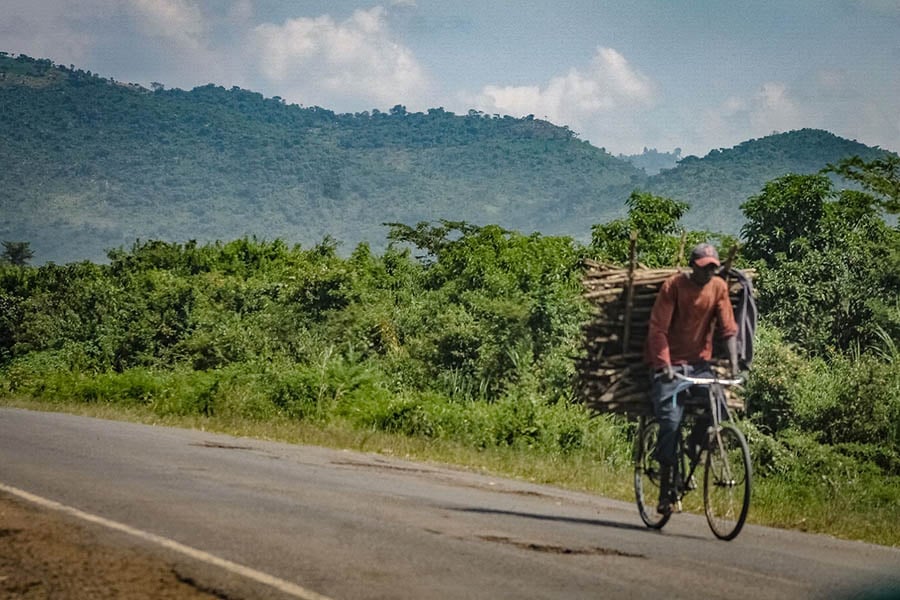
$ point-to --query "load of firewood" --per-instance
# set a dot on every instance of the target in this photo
(612, 376)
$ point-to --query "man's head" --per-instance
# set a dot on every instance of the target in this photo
(703, 255)
(704, 263)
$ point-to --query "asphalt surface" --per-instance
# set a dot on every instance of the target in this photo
(347, 525)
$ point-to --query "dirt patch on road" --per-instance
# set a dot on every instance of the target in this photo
(44, 554)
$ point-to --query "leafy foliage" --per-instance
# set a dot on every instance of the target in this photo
(830, 263)
(880, 176)
(473, 344)
(786, 212)
(660, 239)
(494, 309)
(851, 404)
(16, 253)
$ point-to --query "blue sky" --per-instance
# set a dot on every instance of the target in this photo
(696, 75)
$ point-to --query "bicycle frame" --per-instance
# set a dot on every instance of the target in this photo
(726, 480)
(717, 409)
(716, 396)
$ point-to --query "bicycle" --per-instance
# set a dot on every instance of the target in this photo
(726, 457)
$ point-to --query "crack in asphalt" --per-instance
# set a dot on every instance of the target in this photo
(221, 445)
(381, 466)
(555, 549)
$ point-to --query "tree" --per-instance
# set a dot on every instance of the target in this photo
(496, 306)
(880, 176)
(786, 211)
(431, 238)
(17, 253)
(655, 218)
(830, 263)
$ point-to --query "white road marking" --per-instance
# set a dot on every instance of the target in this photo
(279, 584)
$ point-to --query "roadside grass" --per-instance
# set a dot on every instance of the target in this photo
(853, 515)
(865, 509)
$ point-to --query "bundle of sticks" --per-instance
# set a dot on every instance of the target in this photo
(612, 375)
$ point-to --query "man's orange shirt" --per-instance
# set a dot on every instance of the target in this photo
(683, 320)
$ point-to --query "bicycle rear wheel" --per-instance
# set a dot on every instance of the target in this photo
(647, 474)
(726, 482)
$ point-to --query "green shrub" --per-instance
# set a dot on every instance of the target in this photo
(422, 415)
(846, 400)
(770, 393)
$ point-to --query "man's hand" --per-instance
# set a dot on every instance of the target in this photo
(668, 374)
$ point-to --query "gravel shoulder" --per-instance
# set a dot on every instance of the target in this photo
(44, 554)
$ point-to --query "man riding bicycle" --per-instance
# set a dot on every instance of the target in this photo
(689, 309)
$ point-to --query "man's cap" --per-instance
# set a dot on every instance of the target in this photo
(704, 254)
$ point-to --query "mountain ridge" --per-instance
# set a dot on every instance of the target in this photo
(95, 164)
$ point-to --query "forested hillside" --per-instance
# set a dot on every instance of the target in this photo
(91, 164)
(95, 164)
(717, 184)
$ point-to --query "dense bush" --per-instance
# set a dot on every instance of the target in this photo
(829, 264)
(848, 403)
(493, 311)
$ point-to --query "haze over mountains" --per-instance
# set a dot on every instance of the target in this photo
(91, 164)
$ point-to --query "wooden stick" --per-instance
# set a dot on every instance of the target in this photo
(629, 299)
(726, 268)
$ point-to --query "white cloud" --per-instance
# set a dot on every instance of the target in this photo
(322, 61)
(769, 109)
(733, 106)
(603, 102)
(609, 84)
(774, 109)
(178, 20)
(831, 80)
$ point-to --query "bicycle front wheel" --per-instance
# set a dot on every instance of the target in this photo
(726, 482)
(647, 474)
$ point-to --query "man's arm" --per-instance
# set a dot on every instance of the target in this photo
(658, 333)
(728, 328)
(733, 356)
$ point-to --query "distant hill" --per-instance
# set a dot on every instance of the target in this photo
(652, 161)
(716, 185)
(91, 163)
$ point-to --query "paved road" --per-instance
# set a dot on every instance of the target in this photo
(348, 525)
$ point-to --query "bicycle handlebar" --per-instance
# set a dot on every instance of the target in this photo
(710, 380)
